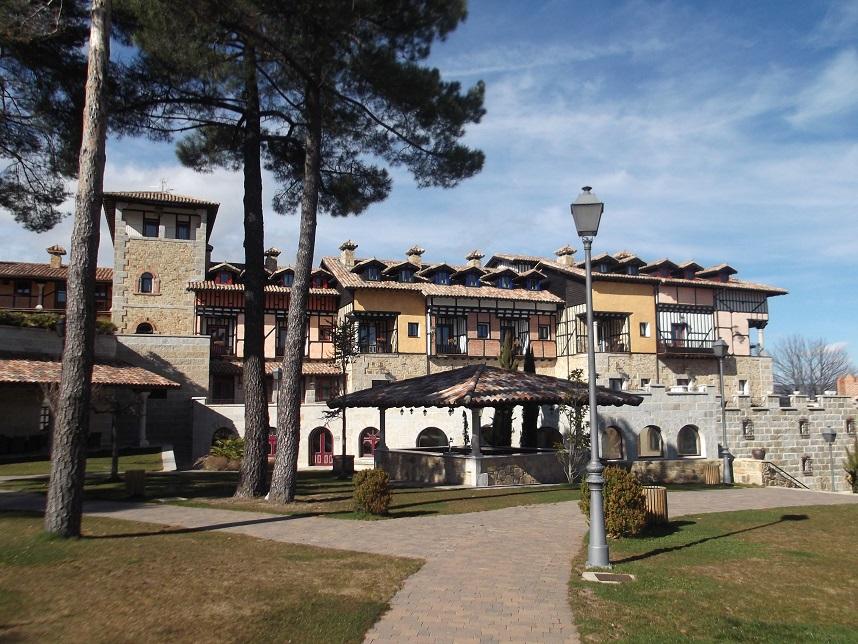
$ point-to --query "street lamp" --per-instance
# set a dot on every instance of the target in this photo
(719, 348)
(829, 435)
(587, 213)
(277, 376)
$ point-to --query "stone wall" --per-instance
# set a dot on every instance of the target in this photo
(183, 359)
(663, 471)
(45, 343)
(426, 468)
(522, 469)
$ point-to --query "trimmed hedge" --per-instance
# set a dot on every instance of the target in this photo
(372, 491)
(47, 321)
(625, 507)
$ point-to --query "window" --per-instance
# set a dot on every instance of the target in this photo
(325, 333)
(850, 426)
(288, 279)
(146, 281)
(320, 282)
(533, 284)
(144, 328)
(22, 288)
(60, 296)
(807, 466)
(504, 281)
(644, 383)
(432, 437)
(442, 278)
(743, 388)
(803, 427)
(280, 338)
(645, 330)
(615, 384)
(688, 441)
(183, 227)
(682, 382)
(472, 279)
(222, 332)
(482, 330)
(413, 329)
(101, 293)
(678, 333)
(45, 418)
(650, 443)
(372, 274)
(633, 270)
(369, 438)
(326, 388)
(379, 383)
(406, 275)
(223, 277)
(602, 268)
(544, 332)
(612, 444)
(150, 226)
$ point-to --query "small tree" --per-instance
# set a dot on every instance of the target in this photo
(850, 464)
(344, 343)
(574, 450)
(530, 411)
(502, 421)
(810, 366)
(466, 433)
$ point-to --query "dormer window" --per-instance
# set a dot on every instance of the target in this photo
(472, 279)
(372, 274)
(504, 281)
(320, 282)
(406, 275)
(442, 278)
(288, 279)
(602, 268)
(633, 270)
(223, 277)
(533, 284)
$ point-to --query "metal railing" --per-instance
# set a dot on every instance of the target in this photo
(692, 342)
(614, 343)
(375, 347)
(455, 345)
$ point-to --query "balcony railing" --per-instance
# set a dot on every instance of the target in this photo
(375, 347)
(616, 343)
(456, 345)
(221, 350)
(693, 343)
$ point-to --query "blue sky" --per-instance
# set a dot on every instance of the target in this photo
(713, 131)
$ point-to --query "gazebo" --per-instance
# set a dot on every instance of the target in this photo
(473, 387)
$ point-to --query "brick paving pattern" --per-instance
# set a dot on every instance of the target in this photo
(498, 576)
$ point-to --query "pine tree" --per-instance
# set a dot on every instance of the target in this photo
(530, 411)
(502, 420)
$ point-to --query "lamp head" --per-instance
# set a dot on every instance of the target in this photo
(277, 374)
(587, 213)
(719, 348)
(829, 435)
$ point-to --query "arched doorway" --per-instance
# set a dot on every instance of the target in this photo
(688, 441)
(144, 328)
(612, 444)
(432, 437)
(321, 447)
(369, 438)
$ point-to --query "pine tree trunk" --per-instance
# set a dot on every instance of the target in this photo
(251, 481)
(289, 405)
(65, 488)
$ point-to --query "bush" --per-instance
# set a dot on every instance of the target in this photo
(625, 508)
(850, 464)
(229, 448)
(372, 491)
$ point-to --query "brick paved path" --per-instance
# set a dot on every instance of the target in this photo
(489, 576)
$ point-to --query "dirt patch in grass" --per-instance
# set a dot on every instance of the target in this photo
(762, 575)
(111, 586)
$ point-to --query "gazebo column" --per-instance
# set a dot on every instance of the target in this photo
(476, 427)
(382, 439)
(144, 396)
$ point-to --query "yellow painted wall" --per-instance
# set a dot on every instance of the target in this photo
(411, 307)
(627, 297)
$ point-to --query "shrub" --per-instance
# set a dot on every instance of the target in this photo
(625, 508)
(229, 448)
(850, 464)
(372, 491)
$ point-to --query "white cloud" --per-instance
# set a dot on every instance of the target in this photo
(834, 92)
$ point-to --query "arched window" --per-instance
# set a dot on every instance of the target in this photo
(650, 443)
(321, 447)
(144, 328)
(368, 440)
(432, 437)
(688, 441)
(146, 282)
(612, 444)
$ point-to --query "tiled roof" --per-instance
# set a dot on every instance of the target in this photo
(512, 257)
(46, 271)
(480, 386)
(676, 281)
(209, 285)
(29, 371)
(349, 279)
(714, 270)
(159, 197)
(233, 367)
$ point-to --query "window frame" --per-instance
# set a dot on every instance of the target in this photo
(488, 331)
(472, 280)
(146, 285)
(645, 329)
(442, 278)
(372, 274)
(684, 430)
(185, 222)
(149, 220)
(543, 332)
(415, 327)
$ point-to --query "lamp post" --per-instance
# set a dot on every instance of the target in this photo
(720, 351)
(829, 435)
(587, 213)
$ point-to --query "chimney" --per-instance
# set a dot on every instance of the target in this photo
(474, 258)
(56, 252)
(565, 256)
(415, 254)
(271, 256)
(347, 253)
(209, 249)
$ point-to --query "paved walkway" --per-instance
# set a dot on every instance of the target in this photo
(489, 576)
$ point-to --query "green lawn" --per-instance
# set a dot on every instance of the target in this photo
(783, 575)
(98, 464)
(131, 582)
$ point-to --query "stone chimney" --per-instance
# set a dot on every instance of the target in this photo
(209, 249)
(347, 253)
(271, 256)
(56, 252)
(415, 255)
(475, 258)
(565, 256)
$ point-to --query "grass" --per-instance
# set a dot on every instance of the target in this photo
(318, 493)
(96, 464)
(124, 582)
(752, 576)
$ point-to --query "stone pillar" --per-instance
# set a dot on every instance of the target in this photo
(41, 289)
(144, 396)
(596, 336)
(761, 339)
(476, 427)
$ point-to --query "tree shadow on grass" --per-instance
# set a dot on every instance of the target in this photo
(661, 551)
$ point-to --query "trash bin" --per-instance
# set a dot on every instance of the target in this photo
(135, 483)
(655, 497)
(712, 474)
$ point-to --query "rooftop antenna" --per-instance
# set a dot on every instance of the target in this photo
(163, 186)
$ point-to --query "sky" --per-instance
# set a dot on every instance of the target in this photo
(714, 131)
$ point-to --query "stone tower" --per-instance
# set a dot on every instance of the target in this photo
(159, 246)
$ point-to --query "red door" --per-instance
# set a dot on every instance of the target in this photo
(322, 444)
